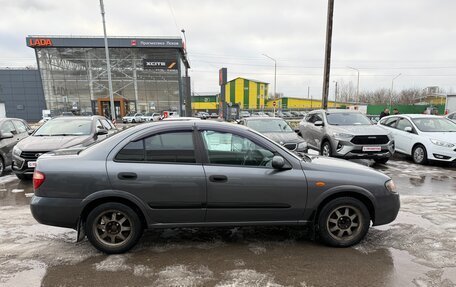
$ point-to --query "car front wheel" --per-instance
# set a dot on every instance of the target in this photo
(419, 154)
(343, 222)
(326, 149)
(113, 228)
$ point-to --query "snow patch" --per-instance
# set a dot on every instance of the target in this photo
(182, 276)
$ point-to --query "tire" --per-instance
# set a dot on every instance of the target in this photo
(381, 160)
(326, 149)
(343, 222)
(2, 166)
(419, 154)
(110, 215)
(133, 121)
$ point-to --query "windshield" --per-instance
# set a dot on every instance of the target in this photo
(434, 125)
(76, 127)
(347, 119)
(269, 126)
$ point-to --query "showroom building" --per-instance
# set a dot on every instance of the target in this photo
(148, 74)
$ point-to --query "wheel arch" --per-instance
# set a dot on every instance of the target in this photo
(96, 201)
(365, 199)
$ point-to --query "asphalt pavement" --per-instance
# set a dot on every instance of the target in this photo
(418, 249)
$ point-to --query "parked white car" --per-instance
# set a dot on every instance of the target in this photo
(423, 137)
(452, 116)
(150, 117)
(132, 117)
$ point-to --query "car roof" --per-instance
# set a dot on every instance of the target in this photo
(415, 116)
(262, 118)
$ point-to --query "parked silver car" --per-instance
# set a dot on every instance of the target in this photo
(204, 173)
(346, 134)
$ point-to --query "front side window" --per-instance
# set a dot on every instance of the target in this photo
(165, 147)
(231, 149)
(404, 123)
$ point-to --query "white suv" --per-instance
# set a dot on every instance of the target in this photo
(423, 137)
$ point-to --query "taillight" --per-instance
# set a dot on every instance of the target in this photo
(38, 179)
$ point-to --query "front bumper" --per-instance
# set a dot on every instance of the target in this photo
(61, 212)
(348, 150)
(438, 153)
(387, 209)
(20, 166)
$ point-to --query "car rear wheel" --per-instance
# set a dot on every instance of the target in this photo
(326, 149)
(113, 228)
(419, 154)
(343, 222)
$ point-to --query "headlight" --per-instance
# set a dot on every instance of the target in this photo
(302, 145)
(442, 143)
(342, 136)
(391, 186)
(17, 151)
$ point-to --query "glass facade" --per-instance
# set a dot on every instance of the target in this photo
(75, 79)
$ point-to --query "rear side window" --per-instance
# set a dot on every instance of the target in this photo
(390, 122)
(165, 147)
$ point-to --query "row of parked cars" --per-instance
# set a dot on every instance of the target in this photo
(350, 134)
(280, 114)
(134, 117)
(21, 146)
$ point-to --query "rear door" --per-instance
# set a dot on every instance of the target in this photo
(242, 186)
(162, 170)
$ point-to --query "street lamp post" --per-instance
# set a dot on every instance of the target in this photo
(111, 96)
(357, 84)
(335, 94)
(275, 74)
(391, 92)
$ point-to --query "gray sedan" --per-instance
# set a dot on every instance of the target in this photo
(200, 173)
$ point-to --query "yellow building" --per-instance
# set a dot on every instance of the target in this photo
(249, 94)
(205, 102)
(288, 103)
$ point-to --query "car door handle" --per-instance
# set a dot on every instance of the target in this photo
(218, 178)
(127, 176)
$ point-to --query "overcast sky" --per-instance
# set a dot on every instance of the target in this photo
(381, 38)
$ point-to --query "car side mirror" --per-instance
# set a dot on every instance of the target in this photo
(318, 124)
(408, 129)
(6, 136)
(279, 162)
(102, 131)
(30, 132)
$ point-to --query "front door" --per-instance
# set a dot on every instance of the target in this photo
(242, 186)
(163, 172)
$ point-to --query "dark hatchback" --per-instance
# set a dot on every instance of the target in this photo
(277, 130)
(11, 132)
(204, 173)
(58, 133)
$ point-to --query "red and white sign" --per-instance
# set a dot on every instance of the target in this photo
(133, 42)
(372, 148)
(165, 114)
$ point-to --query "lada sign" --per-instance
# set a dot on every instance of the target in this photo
(40, 42)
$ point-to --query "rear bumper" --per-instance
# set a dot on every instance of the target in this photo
(61, 212)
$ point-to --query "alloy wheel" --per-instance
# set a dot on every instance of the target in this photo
(113, 227)
(344, 222)
(418, 154)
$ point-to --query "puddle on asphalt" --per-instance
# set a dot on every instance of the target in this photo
(240, 257)
(14, 192)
